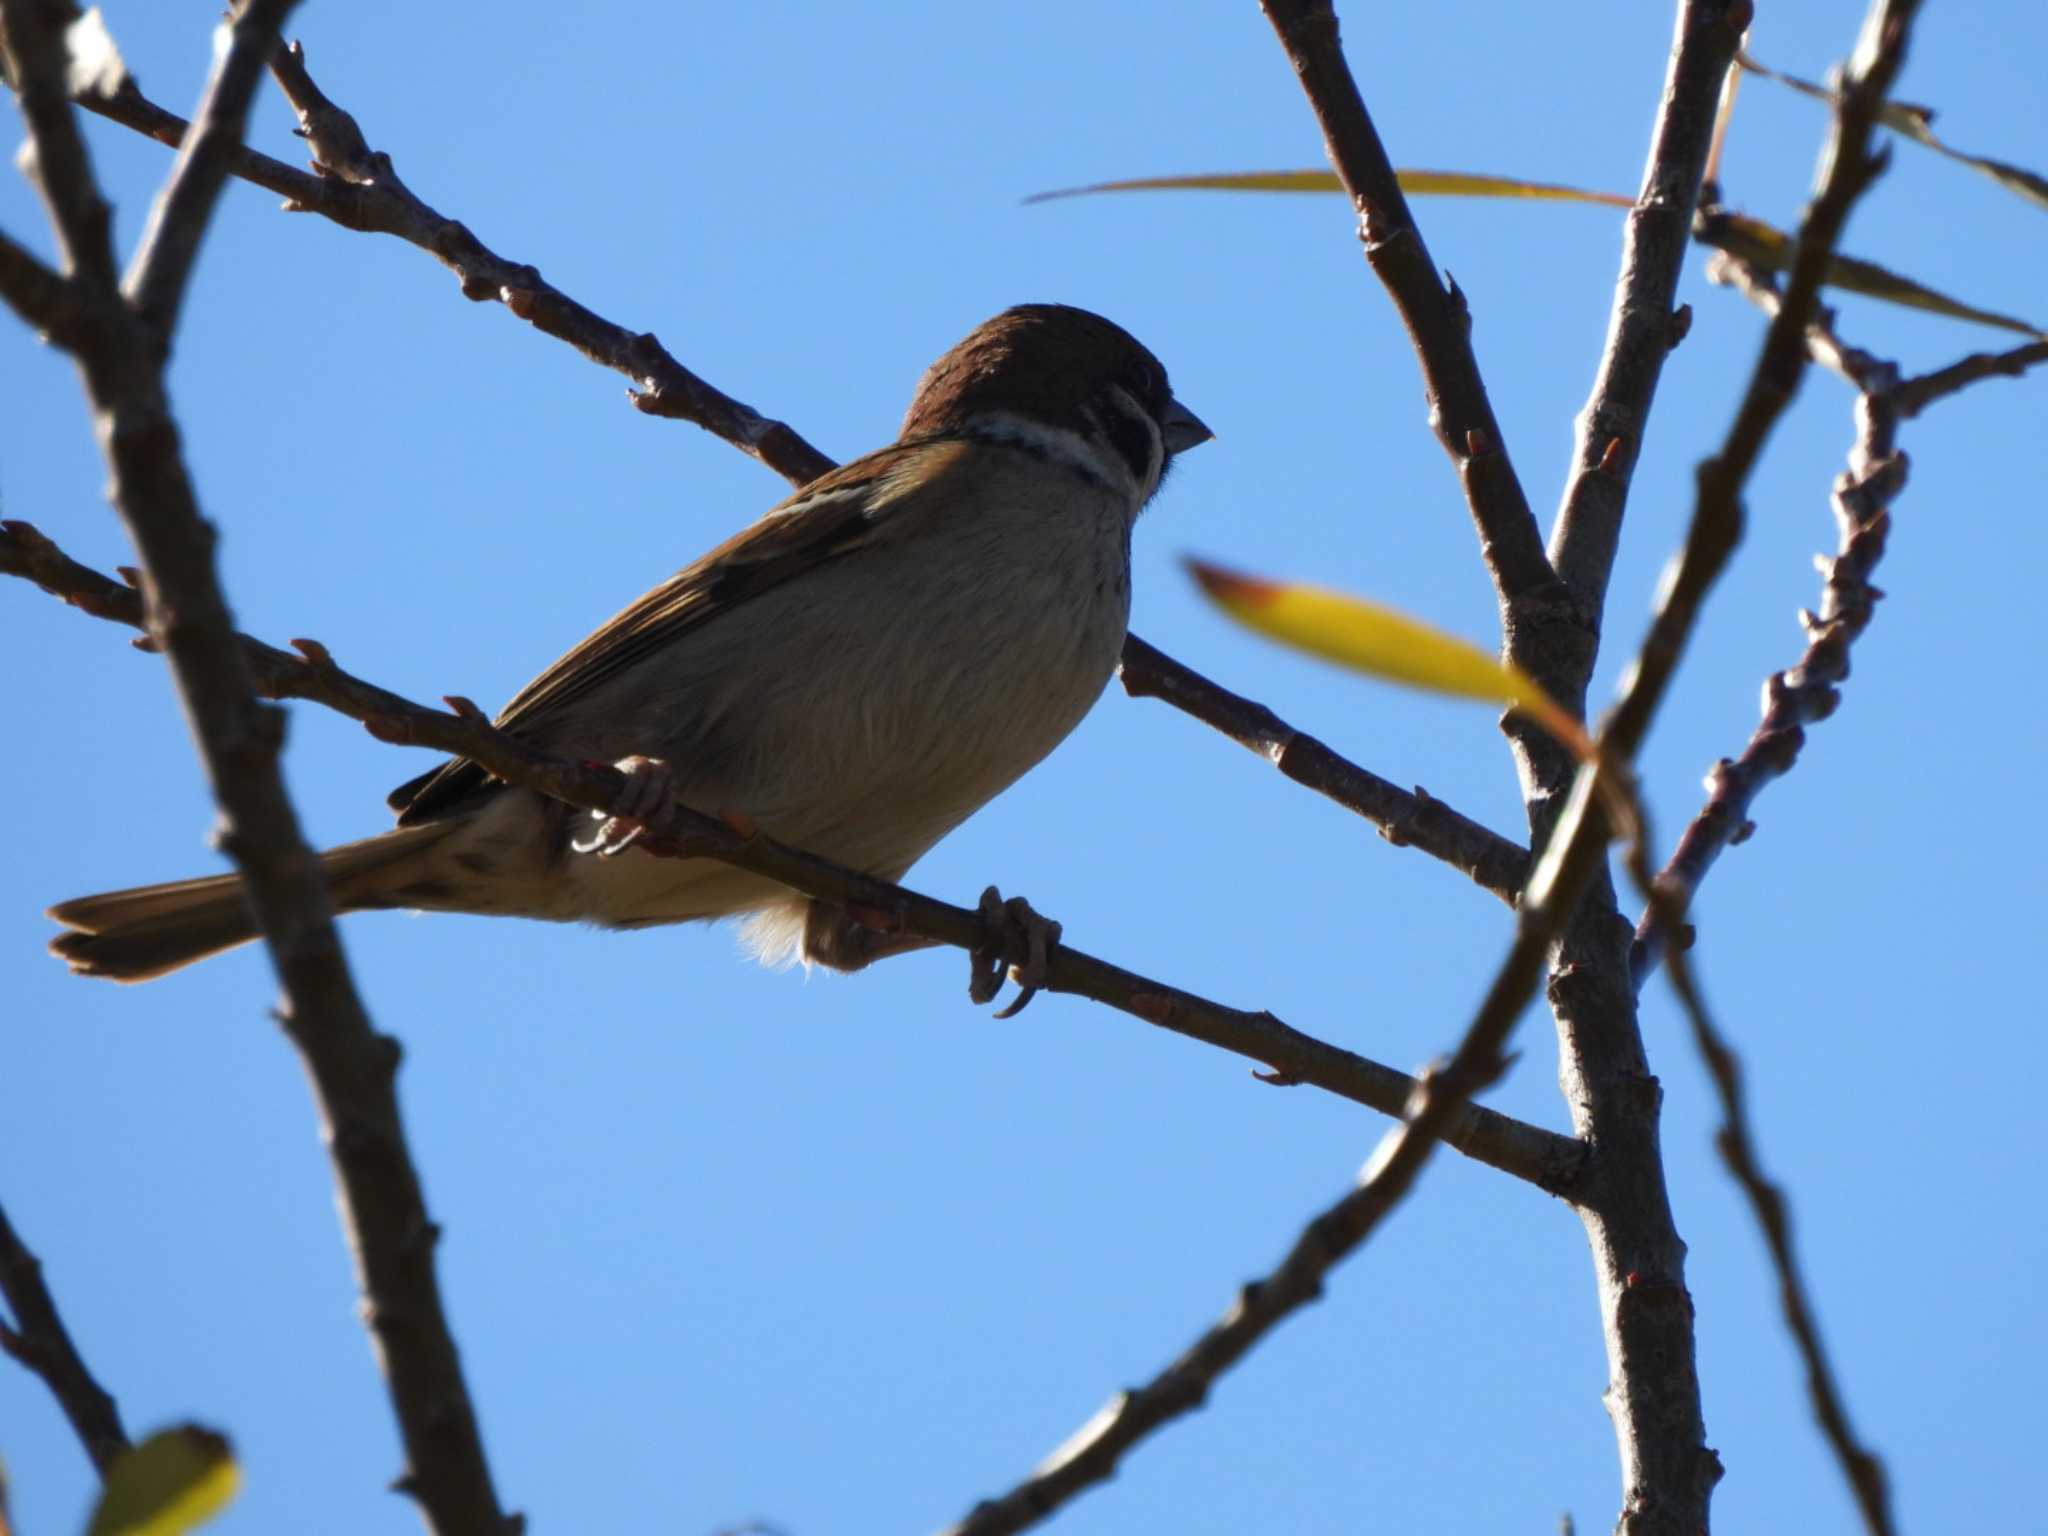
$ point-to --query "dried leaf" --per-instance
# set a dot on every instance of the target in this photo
(1419, 183)
(1771, 248)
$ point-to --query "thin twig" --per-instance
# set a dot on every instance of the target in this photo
(358, 188)
(1527, 1151)
(1407, 820)
(1913, 396)
(352, 1068)
(1096, 1449)
(1434, 311)
(1643, 326)
(40, 1341)
(1809, 692)
(55, 158)
(177, 222)
(1849, 168)
(1736, 1143)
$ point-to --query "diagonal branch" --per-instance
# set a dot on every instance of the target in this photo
(1807, 693)
(1095, 1451)
(1434, 312)
(1849, 167)
(1913, 396)
(32, 38)
(1861, 1468)
(40, 1341)
(1418, 820)
(352, 1068)
(170, 241)
(43, 298)
(1529, 1152)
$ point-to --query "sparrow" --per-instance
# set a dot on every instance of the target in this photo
(857, 672)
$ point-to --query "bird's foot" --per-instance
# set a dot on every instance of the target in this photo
(1018, 943)
(649, 793)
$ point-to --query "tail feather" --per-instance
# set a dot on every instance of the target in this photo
(140, 934)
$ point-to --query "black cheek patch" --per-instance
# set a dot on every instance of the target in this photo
(1131, 438)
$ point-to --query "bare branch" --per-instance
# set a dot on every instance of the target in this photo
(170, 241)
(1860, 1467)
(357, 188)
(1529, 1152)
(1849, 167)
(40, 1341)
(44, 299)
(352, 1067)
(32, 34)
(1434, 312)
(1913, 396)
(1668, 1471)
(1806, 693)
(1094, 1452)
(1642, 326)
(1418, 820)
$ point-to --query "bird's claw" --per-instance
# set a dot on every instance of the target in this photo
(1018, 944)
(650, 785)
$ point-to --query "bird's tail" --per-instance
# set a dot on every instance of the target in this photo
(140, 934)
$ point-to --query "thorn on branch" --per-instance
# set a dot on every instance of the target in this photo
(1611, 456)
(1477, 444)
(1681, 325)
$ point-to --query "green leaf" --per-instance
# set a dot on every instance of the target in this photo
(175, 1480)
(1416, 183)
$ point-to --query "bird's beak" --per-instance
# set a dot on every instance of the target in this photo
(1182, 429)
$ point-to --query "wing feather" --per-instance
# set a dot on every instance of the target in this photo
(856, 505)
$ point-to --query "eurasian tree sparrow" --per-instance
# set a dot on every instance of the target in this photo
(858, 672)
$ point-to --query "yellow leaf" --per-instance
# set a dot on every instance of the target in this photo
(1766, 246)
(176, 1479)
(1439, 183)
(1369, 637)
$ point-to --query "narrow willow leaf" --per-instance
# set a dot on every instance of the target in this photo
(1369, 637)
(1419, 183)
(1915, 123)
(1764, 245)
(175, 1480)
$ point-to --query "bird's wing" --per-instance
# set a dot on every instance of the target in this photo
(884, 496)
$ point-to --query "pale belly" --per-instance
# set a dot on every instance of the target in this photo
(861, 713)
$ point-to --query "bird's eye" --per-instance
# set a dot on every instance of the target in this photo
(1144, 380)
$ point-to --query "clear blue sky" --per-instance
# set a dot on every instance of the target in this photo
(845, 1254)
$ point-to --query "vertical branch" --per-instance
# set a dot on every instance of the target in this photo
(1439, 324)
(120, 350)
(1643, 327)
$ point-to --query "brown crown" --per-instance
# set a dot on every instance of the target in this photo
(1043, 361)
